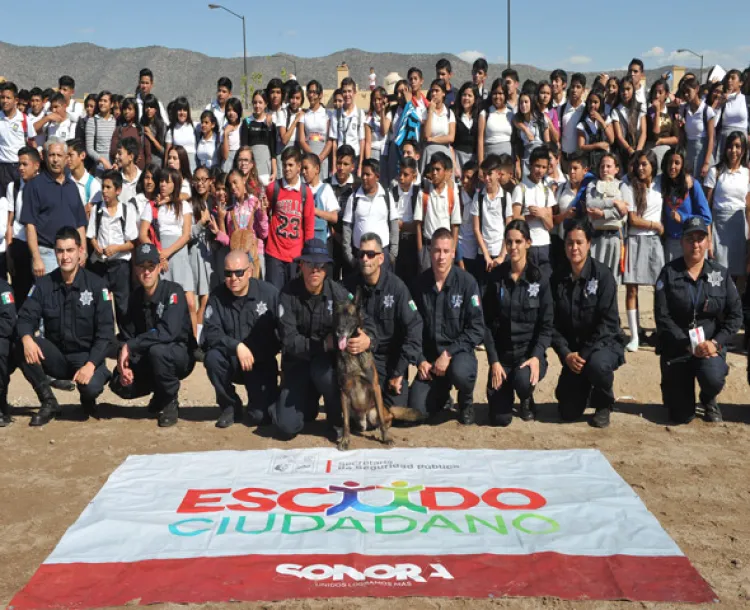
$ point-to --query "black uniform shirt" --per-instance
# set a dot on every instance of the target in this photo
(586, 313)
(452, 317)
(712, 298)
(398, 325)
(77, 318)
(162, 318)
(230, 320)
(305, 320)
(518, 316)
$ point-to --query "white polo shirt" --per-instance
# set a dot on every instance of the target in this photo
(75, 112)
(730, 188)
(438, 214)
(348, 128)
(694, 127)
(402, 201)
(12, 137)
(182, 135)
(110, 231)
(654, 205)
(735, 114)
(65, 130)
(565, 197)
(371, 215)
(15, 203)
(94, 187)
(529, 194)
(208, 152)
(316, 124)
(218, 113)
(493, 218)
(568, 124)
(40, 138)
(129, 186)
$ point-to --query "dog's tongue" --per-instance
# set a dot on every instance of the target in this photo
(342, 343)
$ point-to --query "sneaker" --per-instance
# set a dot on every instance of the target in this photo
(61, 384)
(170, 414)
(712, 413)
(526, 410)
(600, 419)
(467, 416)
(632, 346)
(226, 419)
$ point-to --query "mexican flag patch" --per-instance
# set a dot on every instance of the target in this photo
(475, 300)
(412, 306)
(6, 298)
(105, 295)
(173, 299)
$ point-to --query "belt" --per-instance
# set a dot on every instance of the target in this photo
(426, 242)
(316, 137)
(408, 236)
(13, 163)
(601, 232)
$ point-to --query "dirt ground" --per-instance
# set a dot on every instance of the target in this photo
(694, 478)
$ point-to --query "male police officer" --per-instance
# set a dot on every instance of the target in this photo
(448, 299)
(159, 342)
(697, 310)
(398, 325)
(7, 329)
(241, 342)
(75, 307)
(308, 368)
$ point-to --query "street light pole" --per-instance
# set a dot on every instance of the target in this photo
(698, 55)
(244, 43)
(508, 33)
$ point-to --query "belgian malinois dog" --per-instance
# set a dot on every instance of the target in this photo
(358, 377)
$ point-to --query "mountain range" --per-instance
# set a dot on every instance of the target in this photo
(182, 72)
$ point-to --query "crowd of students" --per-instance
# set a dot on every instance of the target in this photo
(638, 165)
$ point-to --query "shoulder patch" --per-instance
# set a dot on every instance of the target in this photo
(660, 285)
(475, 300)
(105, 295)
(173, 299)
(7, 298)
(31, 291)
(412, 305)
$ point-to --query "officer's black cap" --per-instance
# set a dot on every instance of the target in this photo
(314, 251)
(146, 253)
(694, 225)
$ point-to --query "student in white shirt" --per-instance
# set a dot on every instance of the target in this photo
(208, 145)
(440, 207)
(532, 128)
(439, 126)
(467, 251)
(406, 195)
(698, 130)
(728, 193)
(154, 128)
(112, 231)
(628, 122)
(177, 159)
(566, 197)
(67, 87)
(219, 105)
(594, 129)
(181, 131)
(734, 110)
(490, 211)
(495, 124)
(291, 117)
(274, 99)
(534, 202)
(145, 88)
(36, 111)
(479, 70)
(99, 132)
(127, 153)
(175, 222)
(569, 113)
(375, 126)
(544, 104)
(326, 205)
(373, 79)
(313, 130)
(88, 185)
(370, 209)
(645, 252)
(635, 71)
(230, 140)
(418, 99)
(56, 122)
(348, 126)
(15, 131)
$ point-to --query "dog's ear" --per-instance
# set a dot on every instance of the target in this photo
(357, 297)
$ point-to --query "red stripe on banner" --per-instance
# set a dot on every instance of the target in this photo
(258, 577)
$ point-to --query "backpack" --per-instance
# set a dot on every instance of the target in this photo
(123, 219)
(321, 226)
(480, 203)
(451, 201)
(343, 192)
(356, 199)
(277, 187)
(412, 191)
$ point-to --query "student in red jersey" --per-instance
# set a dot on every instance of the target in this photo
(292, 221)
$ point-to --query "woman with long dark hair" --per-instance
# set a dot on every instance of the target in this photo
(628, 122)
(230, 141)
(154, 128)
(495, 126)
(467, 126)
(594, 129)
(645, 253)
(181, 131)
(682, 200)
(129, 127)
(544, 103)
(734, 109)
(698, 130)
(586, 335)
(375, 132)
(314, 128)
(518, 314)
(532, 130)
(661, 127)
(439, 127)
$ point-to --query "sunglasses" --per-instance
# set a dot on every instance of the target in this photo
(368, 253)
(316, 266)
(235, 272)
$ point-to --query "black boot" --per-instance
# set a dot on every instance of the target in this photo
(711, 412)
(5, 418)
(526, 410)
(169, 415)
(467, 416)
(89, 407)
(49, 407)
(600, 419)
(227, 417)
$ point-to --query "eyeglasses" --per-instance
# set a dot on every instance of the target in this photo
(238, 273)
(368, 253)
(313, 92)
(201, 179)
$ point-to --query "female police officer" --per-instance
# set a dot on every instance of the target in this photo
(518, 328)
(586, 334)
(697, 309)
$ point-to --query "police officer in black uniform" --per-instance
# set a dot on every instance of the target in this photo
(241, 342)
(586, 335)
(76, 310)
(518, 316)
(157, 352)
(7, 329)
(398, 325)
(448, 299)
(308, 370)
(694, 296)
